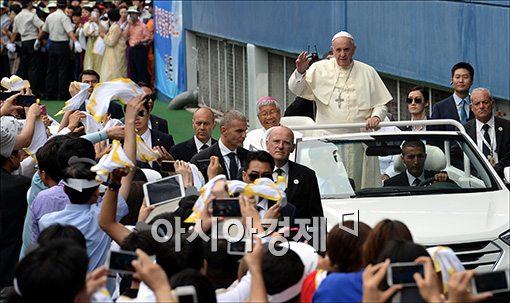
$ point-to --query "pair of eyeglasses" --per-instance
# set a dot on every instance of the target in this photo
(416, 100)
(254, 176)
(142, 113)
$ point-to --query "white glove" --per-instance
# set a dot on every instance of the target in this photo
(77, 47)
(37, 44)
(11, 47)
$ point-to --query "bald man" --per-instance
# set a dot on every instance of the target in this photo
(203, 125)
(302, 187)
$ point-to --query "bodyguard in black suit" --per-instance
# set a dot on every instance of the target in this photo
(414, 156)
(159, 124)
(260, 164)
(203, 124)
(156, 139)
(491, 134)
(228, 149)
(302, 187)
(456, 107)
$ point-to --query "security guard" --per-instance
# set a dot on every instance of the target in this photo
(60, 29)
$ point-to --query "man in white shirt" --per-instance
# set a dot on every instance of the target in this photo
(491, 134)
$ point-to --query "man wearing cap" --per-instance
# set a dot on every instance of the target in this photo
(345, 90)
(138, 37)
(60, 29)
(269, 115)
(28, 25)
(13, 188)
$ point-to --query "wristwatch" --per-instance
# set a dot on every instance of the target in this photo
(114, 186)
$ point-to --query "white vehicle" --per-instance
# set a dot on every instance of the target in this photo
(471, 215)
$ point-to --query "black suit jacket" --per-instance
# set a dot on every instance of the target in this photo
(13, 207)
(159, 124)
(158, 139)
(303, 191)
(186, 150)
(402, 180)
(502, 128)
(446, 109)
(214, 150)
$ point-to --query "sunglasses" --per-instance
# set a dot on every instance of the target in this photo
(142, 113)
(254, 176)
(416, 100)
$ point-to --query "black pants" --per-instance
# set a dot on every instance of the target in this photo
(30, 66)
(138, 64)
(4, 65)
(57, 80)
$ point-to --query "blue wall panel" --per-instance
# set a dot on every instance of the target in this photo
(412, 39)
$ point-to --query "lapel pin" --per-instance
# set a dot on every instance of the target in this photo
(296, 181)
(500, 128)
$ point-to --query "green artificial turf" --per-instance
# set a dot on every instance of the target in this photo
(179, 121)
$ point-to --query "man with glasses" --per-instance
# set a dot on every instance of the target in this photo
(413, 157)
(302, 187)
(491, 134)
(159, 141)
(260, 164)
(456, 106)
(269, 115)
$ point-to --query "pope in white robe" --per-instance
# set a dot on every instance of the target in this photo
(345, 91)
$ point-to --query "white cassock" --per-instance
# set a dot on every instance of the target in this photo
(351, 94)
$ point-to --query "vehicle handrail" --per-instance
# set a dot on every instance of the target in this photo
(452, 122)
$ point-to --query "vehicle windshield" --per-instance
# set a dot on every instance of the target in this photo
(353, 166)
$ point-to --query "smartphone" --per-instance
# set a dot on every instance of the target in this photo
(237, 248)
(226, 207)
(402, 273)
(94, 14)
(44, 111)
(5, 95)
(168, 166)
(494, 281)
(25, 100)
(186, 294)
(120, 261)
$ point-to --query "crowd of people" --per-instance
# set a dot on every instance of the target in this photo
(61, 220)
(51, 42)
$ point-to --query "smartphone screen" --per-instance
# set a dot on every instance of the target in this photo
(226, 208)
(236, 248)
(168, 166)
(402, 273)
(496, 281)
(186, 294)
(120, 261)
